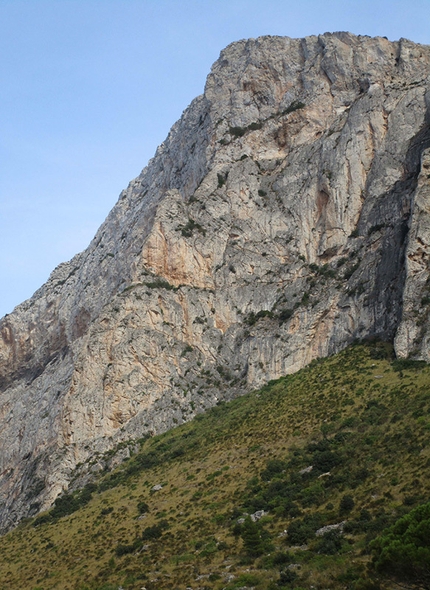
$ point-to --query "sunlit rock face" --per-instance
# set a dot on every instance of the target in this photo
(286, 215)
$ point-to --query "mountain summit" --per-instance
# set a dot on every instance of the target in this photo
(286, 215)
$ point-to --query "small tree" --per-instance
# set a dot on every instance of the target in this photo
(253, 538)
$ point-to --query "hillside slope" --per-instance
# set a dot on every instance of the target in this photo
(345, 440)
(285, 215)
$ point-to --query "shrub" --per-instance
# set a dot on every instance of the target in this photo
(346, 504)
(245, 581)
(253, 317)
(186, 350)
(122, 549)
(403, 550)
(42, 519)
(237, 131)
(142, 507)
(305, 299)
(69, 503)
(282, 558)
(159, 283)
(273, 467)
(329, 543)
(254, 126)
(408, 364)
(285, 315)
(313, 495)
(240, 131)
(286, 577)
(323, 270)
(301, 530)
(325, 460)
(350, 271)
(221, 180)
(155, 531)
(375, 228)
(294, 106)
(187, 230)
(107, 510)
(254, 537)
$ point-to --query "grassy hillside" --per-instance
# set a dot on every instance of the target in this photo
(343, 441)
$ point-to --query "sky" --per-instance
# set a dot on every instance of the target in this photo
(90, 88)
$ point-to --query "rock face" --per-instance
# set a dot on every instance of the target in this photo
(286, 215)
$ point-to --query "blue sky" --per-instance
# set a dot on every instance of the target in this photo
(89, 88)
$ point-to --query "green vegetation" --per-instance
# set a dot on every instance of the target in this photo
(240, 131)
(188, 229)
(294, 106)
(186, 350)
(281, 315)
(318, 480)
(323, 270)
(252, 318)
(403, 551)
(376, 228)
(221, 180)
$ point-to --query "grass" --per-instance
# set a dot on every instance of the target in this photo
(360, 420)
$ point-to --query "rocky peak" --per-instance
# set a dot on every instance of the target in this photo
(284, 217)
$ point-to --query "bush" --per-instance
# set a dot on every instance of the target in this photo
(323, 270)
(106, 511)
(285, 315)
(240, 131)
(244, 581)
(221, 180)
(375, 228)
(142, 507)
(273, 467)
(187, 230)
(325, 460)
(286, 578)
(282, 558)
(69, 503)
(255, 538)
(329, 543)
(42, 519)
(301, 530)
(407, 364)
(159, 283)
(403, 550)
(346, 504)
(251, 537)
(237, 131)
(312, 495)
(366, 584)
(155, 531)
(253, 317)
(294, 106)
(126, 549)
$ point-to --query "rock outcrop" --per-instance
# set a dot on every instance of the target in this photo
(286, 215)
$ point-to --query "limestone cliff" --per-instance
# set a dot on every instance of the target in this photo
(286, 215)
